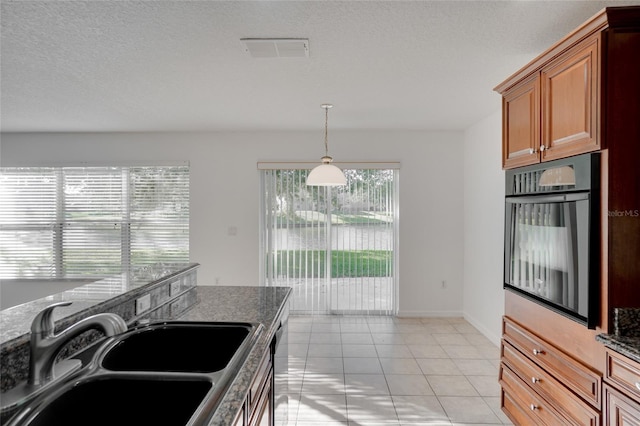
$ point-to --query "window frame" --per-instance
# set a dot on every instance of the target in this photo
(177, 222)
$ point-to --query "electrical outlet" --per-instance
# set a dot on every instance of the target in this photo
(175, 288)
(143, 304)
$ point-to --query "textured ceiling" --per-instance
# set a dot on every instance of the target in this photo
(180, 65)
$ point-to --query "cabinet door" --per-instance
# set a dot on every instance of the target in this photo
(570, 102)
(521, 124)
(263, 412)
(239, 421)
(620, 410)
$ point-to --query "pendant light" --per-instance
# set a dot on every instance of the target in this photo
(326, 174)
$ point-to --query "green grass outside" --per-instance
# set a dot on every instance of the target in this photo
(344, 264)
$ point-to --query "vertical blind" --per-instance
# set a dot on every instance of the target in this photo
(66, 222)
(335, 246)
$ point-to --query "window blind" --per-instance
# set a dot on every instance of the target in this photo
(66, 222)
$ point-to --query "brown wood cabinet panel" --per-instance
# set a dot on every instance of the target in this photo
(570, 102)
(541, 382)
(588, 99)
(515, 409)
(521, 124)
(623, 140)
(260, 381)
(240, 418)
(583, 381)
(262, 414)
(258, 409)
(624, 373)
(619, 410)
(574, 338)
(521, 396)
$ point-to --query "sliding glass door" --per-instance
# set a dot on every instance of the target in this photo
(334, 246)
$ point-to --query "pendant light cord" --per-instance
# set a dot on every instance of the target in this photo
(326, 131)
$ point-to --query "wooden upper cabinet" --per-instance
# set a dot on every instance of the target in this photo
(570, 102)
(555, 106)
(521, 124)
(554, 112)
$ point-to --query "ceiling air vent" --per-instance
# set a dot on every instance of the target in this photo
(276, 47)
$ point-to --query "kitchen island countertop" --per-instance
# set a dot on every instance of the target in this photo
(265, 305)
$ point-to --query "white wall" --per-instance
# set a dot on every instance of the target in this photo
(225, 193)
(483, 301)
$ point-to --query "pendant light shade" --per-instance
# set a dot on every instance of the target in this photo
(326, 174)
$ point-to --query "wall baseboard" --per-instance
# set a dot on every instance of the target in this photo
(495, 338)
(429, 314)
(492, 336)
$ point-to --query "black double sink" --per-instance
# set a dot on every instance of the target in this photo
(169, 373)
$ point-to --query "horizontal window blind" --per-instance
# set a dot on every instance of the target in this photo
(65, 222)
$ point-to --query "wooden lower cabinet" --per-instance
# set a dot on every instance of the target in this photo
(620, 410)
(522, 405)
(240, 417)
(257, 409)
(263, 414)
(583, 381)
(621, 391)
(541, 385)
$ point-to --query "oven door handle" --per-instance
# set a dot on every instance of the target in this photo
(543, 199)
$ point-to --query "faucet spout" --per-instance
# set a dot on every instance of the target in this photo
(45, 345)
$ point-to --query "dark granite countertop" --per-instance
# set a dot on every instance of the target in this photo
(265, 305)
(627, 346)
(626, 334)
(15, 322)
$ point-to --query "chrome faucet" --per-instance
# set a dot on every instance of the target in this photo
(45, 345)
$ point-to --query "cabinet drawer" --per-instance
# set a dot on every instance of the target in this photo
(583, 381)
(569, 405)
(514, 409)
(623, 372)
(620, 410)
(521, 402)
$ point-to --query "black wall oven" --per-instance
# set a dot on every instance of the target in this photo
(552, 237)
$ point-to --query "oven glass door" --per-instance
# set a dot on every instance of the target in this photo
(547, 250)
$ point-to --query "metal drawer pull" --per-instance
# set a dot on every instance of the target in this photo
(533, 407)
(538, 352)
(638, 385)
(534, 380)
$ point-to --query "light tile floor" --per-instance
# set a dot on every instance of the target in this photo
(375, 371)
